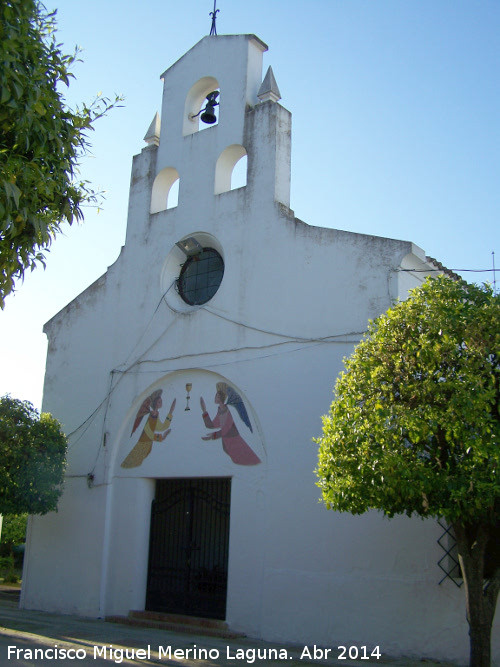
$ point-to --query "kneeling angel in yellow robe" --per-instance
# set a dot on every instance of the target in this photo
(154, 429)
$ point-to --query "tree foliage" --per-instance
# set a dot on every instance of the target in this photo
(415, 427)
(12, 540)
(13, 530)
(41, 139)
(32, 459)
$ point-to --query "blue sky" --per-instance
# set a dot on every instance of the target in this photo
(396, 130)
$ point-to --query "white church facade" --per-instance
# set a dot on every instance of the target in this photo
(192, 377)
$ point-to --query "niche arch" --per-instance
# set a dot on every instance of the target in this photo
(225, 165)
(162, 187)
(194, 101)
(183, 451)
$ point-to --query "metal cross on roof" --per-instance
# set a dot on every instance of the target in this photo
(213, 29)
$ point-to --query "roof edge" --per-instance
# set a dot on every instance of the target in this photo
(249, 36)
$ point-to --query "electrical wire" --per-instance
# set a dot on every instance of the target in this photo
(444, 270)
(150, 321)
(194, 355)
(219, 364)
(282, 335)
(332, 338)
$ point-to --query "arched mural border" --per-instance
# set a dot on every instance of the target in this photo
(117, 448)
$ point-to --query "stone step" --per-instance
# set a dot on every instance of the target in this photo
(208, 627)
(179, 618)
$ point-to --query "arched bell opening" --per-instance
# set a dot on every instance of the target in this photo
(197, 105)
(231, 169)
(165, 191)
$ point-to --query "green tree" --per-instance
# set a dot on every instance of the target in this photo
(14, 529)
(12, 545)
(41, 140)
(32, 459)
(415, 429)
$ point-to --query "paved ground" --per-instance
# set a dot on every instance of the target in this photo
(70, 641)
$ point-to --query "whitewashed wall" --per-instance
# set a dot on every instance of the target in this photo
(293, 302)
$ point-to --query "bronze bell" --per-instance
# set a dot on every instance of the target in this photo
(208, 116)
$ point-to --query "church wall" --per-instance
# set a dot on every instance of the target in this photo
(64, 553)
(127, 532)
(293, 302)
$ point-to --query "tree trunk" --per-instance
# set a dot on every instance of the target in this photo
(480, 644)
(481, 596)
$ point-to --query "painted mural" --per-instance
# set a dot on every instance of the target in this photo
(232, 442)
(154, 429)
(222, 425)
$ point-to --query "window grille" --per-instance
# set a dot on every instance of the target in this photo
(449, 562)
(200, 277)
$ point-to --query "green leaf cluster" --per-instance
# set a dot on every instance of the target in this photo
(32, 459)
(13, 529)
(415, 424)
(41, 139)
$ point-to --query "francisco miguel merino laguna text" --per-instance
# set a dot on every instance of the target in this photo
(248, 655)
(110, 652)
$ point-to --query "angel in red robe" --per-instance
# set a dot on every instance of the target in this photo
(232, 442)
